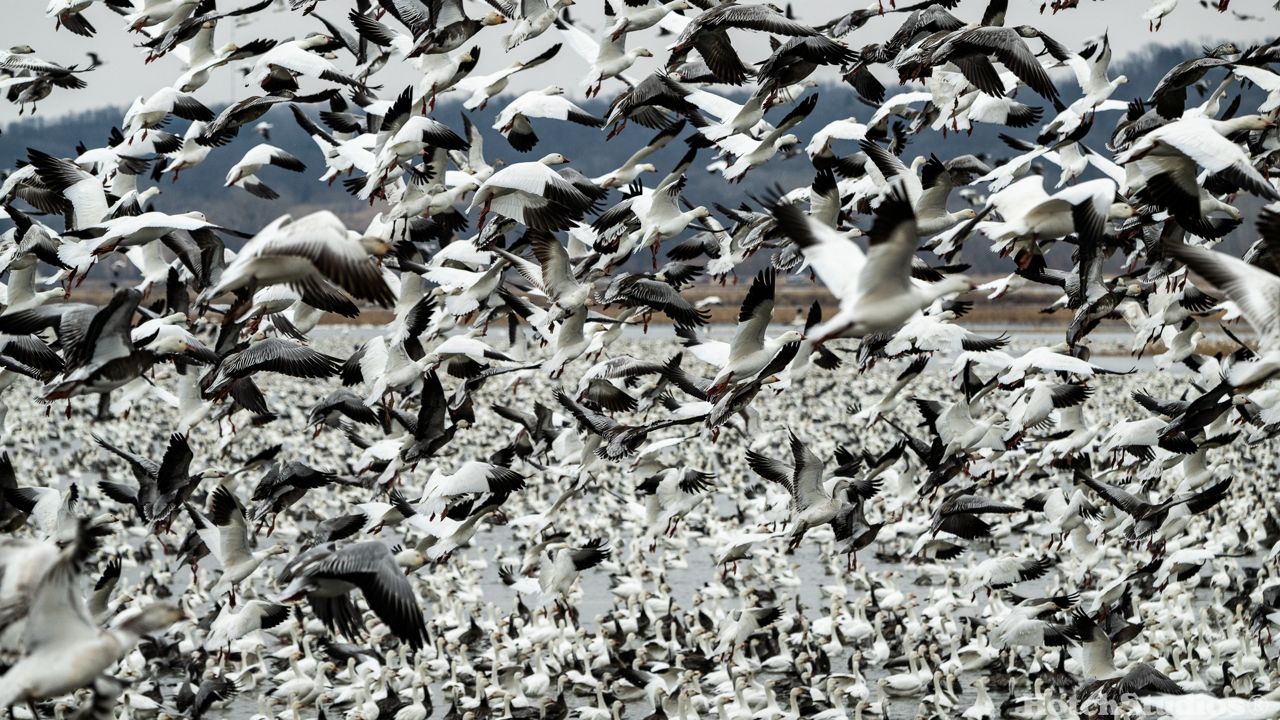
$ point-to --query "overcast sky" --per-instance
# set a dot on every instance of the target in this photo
(125, 76)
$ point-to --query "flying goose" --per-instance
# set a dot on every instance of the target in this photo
(64, 650)
(549, 102)
(812, 504)
(708, 34)
(308, 254)
(325, 575)
(162, 487)
(226, 533)
(876, 292)
(532, 194)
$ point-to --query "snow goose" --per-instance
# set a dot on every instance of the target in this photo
(448, 29)
(1090, 67)
(876, 291)
(643, 16)
(263, 354)
(278, 68)
(532, 194)
(549, 103)
(64, 650)
(133, 231)
(243, 173)
(1253, 290)
(85, 192)
(532, 18)
(226, 533)
(1029, 214)
(636, 164)
(1014, 370)
(928, 193)
(853, 532)
(162, 487)
(69, 14)
(959, 514)
(1024, 625)
(812, 504)
(749, 153)
(796, 59)
(154, 110)
(1138, 680)
(739, 625)
(559, 570)
(487, 87)
(231, 624)
(609, 59)
(1204, 141)
(1156, 12)
(308, 254)
(1150, 517)
(326, 574)
(750, 351)
(708, 34)
(973, 50)
(673, 493)
(473, 477)
(649, 102)
(48, 510)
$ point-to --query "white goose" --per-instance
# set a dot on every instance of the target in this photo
(226, 533)
(875, 290)
(533, 194)
(1204, 141)
(308, 254)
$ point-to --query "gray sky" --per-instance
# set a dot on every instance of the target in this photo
(125, 76)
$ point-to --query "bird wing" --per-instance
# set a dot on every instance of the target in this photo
(175, 466)
(227, 513)
(835, 258)
(371, 567)
(1254, 290)
(754, 316)
(281, 356)
(808, 474)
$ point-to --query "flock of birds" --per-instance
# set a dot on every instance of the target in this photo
(415, 543)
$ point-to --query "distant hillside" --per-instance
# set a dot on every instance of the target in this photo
(588, 150)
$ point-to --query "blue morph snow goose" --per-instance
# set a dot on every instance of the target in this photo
(326, 575)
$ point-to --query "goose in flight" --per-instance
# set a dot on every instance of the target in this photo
(1205, 142)
(708, 34)
(1150, 517)
(1256, 292)
(749, 351)
(812, 504)
(64, 650)
(875, 290)
(310, 254)
(532, 194)
(550, 103)
(927, 193)
(226, 533)
(326, 575)
(162, 487)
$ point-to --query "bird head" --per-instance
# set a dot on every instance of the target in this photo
(1120, 211)
(375, 245)
(493, 18)
(790, 336)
